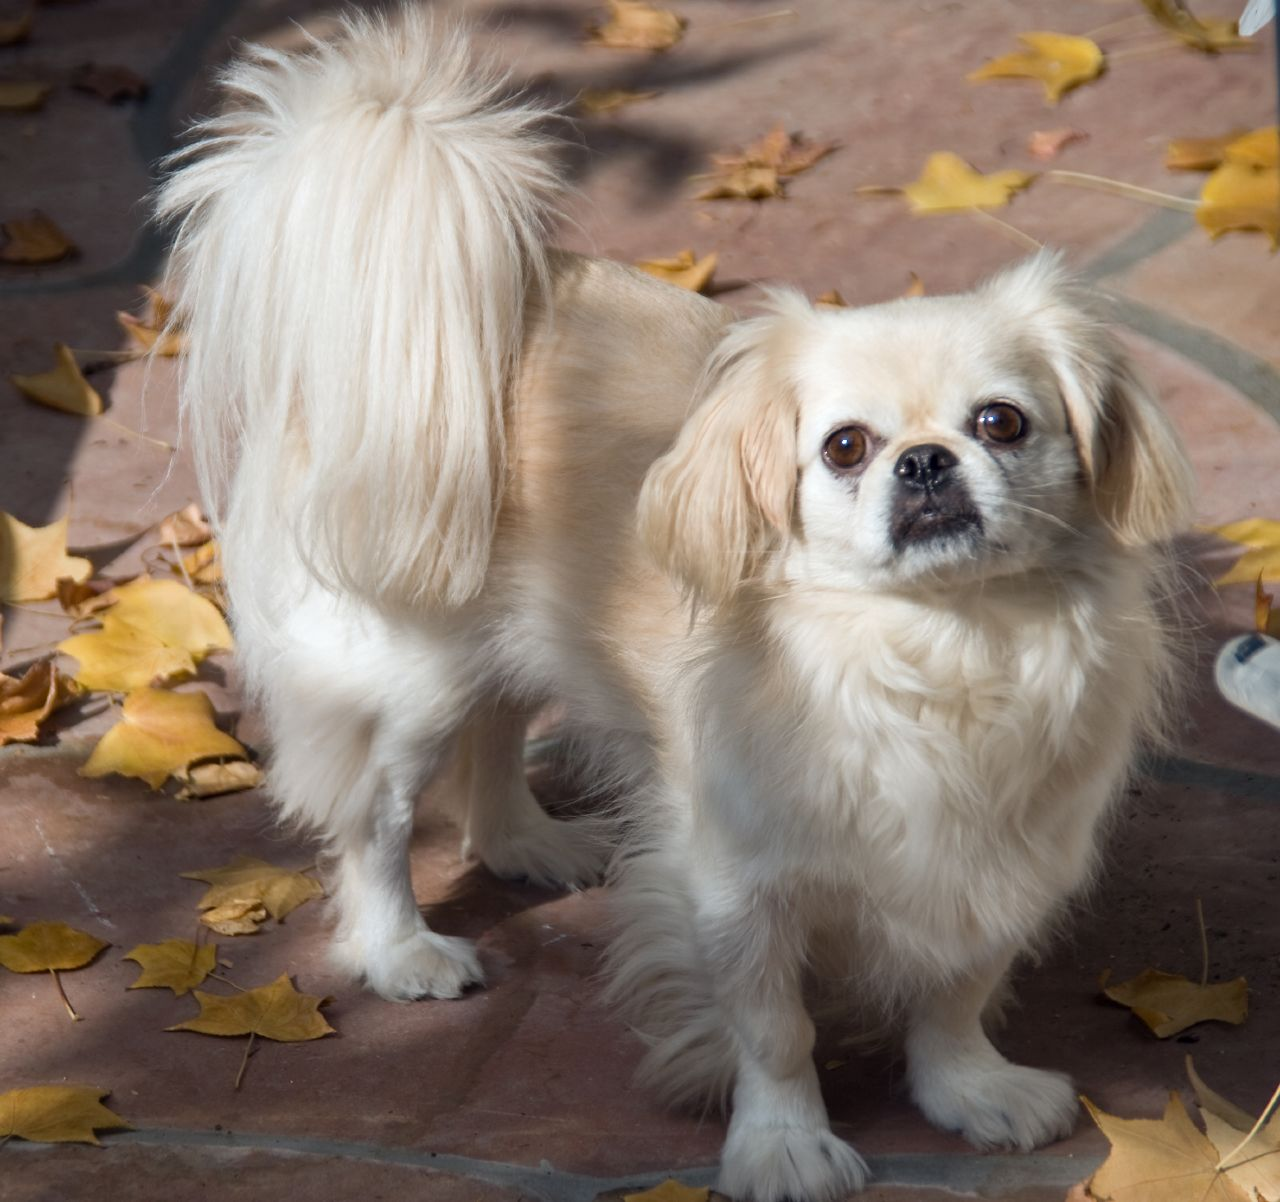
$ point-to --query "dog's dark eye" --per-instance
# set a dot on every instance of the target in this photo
(846, 448)
(1001, 422)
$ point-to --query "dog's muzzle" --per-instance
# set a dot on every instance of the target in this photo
(931, 502)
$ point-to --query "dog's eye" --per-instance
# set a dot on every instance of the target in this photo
(845, 448)
(1000, 422)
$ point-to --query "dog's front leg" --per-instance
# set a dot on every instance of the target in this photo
(961, 1083)
(780, 1144)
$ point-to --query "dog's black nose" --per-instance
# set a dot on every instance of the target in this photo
(925, 466)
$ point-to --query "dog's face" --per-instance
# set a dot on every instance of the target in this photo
(928, 441)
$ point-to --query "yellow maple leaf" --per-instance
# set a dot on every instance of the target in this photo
(1261, 562)
(156, 332)
(671, 1190)
(1240, 197)
(635, 25)
(281, 890)
(1258, 148)
(1159, 1160)
(1248, 1150)
(1169, 1004)
(276, 1011)
(240, 916)
(176, 964)
(57, 1114)
(947, 184)
(204, 564)
(62, 387)
(683, 269)
(23, 95)
(598, 102)
(1208, 34)
(156, 632)
(34, 239)
(43, 946)
(34, 558)
(159, 734)
(28, 700)
(1059, 61)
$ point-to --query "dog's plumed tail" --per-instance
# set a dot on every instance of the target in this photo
(356, 239)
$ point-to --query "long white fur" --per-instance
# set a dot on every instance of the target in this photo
(462, 475)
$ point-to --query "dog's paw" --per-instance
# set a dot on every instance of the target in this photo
(1005, 1106)
(423, 965)
(568, 853)
(798, 1164)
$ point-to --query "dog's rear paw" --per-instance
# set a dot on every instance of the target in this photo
(571, 853)
(421, 966)
(798, 1164)
(1006, 1106)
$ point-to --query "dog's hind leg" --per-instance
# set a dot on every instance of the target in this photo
(506, 829)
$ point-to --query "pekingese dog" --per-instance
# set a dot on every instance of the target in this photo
(861, 605)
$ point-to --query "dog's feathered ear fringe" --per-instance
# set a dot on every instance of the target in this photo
(714, 505)
(1131, 456)
(354, 244)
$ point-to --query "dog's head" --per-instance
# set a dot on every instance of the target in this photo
(932, 440)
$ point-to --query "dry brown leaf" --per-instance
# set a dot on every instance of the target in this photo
(671, 1190)
(237, 917)
(159, 734)
(17, 29)
(176, 964)
(34, 239)
(23, 95)
(81, 599)
(156, 632)
(43, 946)
(1159, 1160)
(683, 269)
(186, 527)
(57, 1114)
(215, 779)
(1208, 34)
(1046, 144)
(635, 25)
(34, 558)
(947, 184)
(597, 102)
(1248, 1149)
(1261, 559)
(156, 332)
(62, 387)
(281, 890)
(1058, 61)
(28, 700)
(204, 564)
(757, 171)
(112, 83)
(743, 183)
(1169, 1004)
(831, 299)
(915, 287)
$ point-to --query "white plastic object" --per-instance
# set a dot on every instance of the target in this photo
(1248, 675)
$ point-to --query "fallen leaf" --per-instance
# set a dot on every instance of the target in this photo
(276, 1011)
(204, 564)
(831, 299)
(1208, 34)
(757, 171)
(81, 599)
(683, 270)
(281, 890)
(23, 95)
(597, 102)
(56, 1114)
(1251, 1158)
(186, 527)
(1169, 1004)
(947, 184)
(156, 332)
(671, 1190)
(1159, 1160)
(1059, 61)
(743, 183)
(1266, 616)
(1259, 148)
(34, 239)
(916, 287)
(16, 29)
(215, 779)
(635, 25)
(112, 83)
(239, 917)
(28, 700)
(1239, 197)
(1198, 154)
(63, 386)
(48, 945)
(1046, 144)
(176, 964)
(159, 734)
(34, 558)
(6, 920)
(1261, 562)
(156, 632)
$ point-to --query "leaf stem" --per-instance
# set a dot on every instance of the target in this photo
(225, 981)
(244, 1063)
(1204, 944)
(1164, 46)
(102, 417)
(1100, 183)
(776, 15)
(1262, 1118)
(62, 993)
(1026, 241)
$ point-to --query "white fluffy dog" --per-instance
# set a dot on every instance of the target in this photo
(861, 605)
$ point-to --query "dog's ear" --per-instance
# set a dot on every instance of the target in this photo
(1132, 459)
(721, 498)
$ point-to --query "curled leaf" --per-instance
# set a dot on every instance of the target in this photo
(241, 916)
(216, 779)
(187, 527)
(280, 890)
(28, 700)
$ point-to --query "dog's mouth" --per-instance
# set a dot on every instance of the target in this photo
(933, 519)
